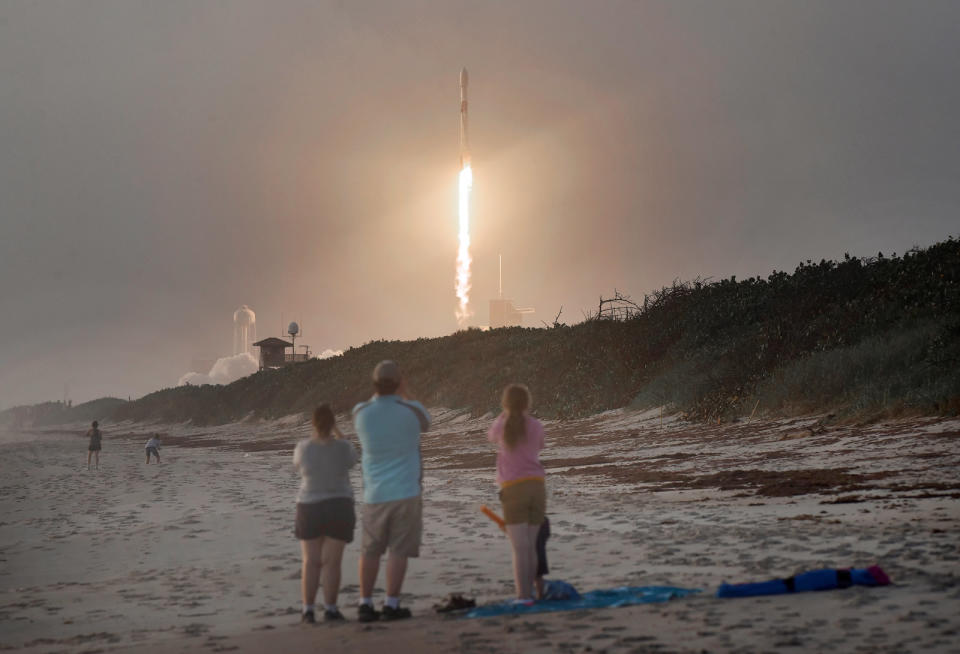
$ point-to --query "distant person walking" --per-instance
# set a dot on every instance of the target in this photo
(325, 515)
(153, 447)
(519, 439)
(389, 427)
(93, 449)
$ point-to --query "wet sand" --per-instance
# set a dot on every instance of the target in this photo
(197, 554)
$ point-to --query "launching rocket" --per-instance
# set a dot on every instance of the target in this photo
(464, 142)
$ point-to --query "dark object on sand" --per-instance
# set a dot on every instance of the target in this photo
(454, 602)
(555, 589)
(827, 579)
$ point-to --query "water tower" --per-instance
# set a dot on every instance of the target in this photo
(293, 329)
(244, 329)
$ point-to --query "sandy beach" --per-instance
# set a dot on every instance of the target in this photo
(197, 554)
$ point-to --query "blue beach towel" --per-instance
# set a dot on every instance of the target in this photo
(596, 599)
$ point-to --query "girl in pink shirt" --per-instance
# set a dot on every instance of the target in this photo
(519, 439)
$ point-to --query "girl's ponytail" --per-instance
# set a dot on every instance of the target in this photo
(516, 400)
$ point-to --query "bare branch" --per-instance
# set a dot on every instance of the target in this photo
(556, 320)
(619, 307)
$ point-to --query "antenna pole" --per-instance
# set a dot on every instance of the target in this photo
(501, 276)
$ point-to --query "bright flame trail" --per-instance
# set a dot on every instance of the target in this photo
(463, 253)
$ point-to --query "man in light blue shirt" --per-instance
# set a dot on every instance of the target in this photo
(389, 427)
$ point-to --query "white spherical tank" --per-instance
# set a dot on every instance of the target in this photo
(244, 330)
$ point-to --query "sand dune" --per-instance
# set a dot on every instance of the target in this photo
(197, 554)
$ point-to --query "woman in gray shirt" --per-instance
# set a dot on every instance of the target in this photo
(325, 515)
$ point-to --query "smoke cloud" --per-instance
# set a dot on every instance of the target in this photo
(229, 369)
(224, 371)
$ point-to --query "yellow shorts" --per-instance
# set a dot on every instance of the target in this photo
(396, 526)
(524, 502)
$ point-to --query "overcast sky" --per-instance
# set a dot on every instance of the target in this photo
(163, 162)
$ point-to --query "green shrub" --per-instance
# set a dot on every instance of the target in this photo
(914, 368)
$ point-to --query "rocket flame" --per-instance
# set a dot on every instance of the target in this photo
(463, 253)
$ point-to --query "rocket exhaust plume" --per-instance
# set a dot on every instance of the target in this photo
(463, 211)
(463, 253)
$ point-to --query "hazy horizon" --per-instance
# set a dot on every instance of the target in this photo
(164, 163)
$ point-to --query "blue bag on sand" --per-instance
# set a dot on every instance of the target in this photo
(826, 579)
(559, 590)
(595, 599)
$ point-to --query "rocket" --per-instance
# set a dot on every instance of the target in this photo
(464, 141)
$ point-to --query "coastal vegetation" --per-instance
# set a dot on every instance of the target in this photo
(861, 336)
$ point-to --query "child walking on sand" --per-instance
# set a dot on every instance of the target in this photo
(519, 439)
(325, 515)
(93, 449)
(153, 447)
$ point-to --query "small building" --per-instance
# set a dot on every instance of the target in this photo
(273, 353)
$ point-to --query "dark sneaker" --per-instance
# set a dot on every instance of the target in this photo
(333, 615)
(366, 613)
(455, 602)
(307, 617)
(398, 613)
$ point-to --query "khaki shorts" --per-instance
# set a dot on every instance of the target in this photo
(524, 502)
(394, 526)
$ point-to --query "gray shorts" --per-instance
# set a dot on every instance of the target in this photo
(394, 526)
